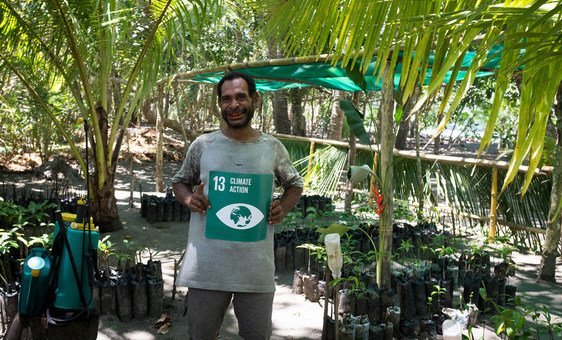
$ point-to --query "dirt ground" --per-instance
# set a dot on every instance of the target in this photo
(293, 316)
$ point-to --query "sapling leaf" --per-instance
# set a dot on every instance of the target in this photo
(332, 228)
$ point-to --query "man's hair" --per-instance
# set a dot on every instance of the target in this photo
(235, 75)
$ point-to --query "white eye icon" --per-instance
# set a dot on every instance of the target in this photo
(240, 216)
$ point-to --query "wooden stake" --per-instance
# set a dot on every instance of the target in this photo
(175, 276)
(309, 168)
(326, 299)
(336, 307)
(493, 206)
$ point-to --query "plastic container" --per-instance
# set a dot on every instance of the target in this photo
(333, 250)
(36, 275)
(452, 330)
(67, 294)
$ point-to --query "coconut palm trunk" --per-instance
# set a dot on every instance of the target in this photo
(335, 127)
(547, 269)
(386, 170)
(81, 46)
(298, 121)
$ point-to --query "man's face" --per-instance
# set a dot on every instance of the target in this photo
(237, 107)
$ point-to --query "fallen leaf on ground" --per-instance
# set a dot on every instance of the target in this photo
(165, 319)
(165, 328)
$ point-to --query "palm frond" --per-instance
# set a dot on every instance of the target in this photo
(461, 189)
(450, 29)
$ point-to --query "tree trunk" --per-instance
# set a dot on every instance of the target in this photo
(298, 120)
(404, 128)
(547, 269)
(260, 114)
(437, 140)
(419, 174)
(281, 113)
(351, 155)
(150, 117)
(402, 135)
(416, 129)
(387, 144)
(104, 205)
(350, 162)
(214, 107)
(335, 127)
(279, 101)
(163, 106)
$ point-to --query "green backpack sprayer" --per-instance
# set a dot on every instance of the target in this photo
(61, 282)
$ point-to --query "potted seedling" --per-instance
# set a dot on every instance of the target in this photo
(435, 299)
(37, 216)
(309, 280)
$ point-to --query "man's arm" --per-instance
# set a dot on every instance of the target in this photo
(194, 201)
(281, 207)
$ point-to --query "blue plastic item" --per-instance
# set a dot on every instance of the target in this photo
(35, 283)
(67, 294)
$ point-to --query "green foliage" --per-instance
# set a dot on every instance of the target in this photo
(42, 241)
(9, 240)
(405, 246)
(316, 251)
(105, 247)
(548, 155)
(332, 228)
(353, 284)
(9, 213)
(514, 322)
(38, 213)
(436, 294)
(35, 214)
(402, 210)
(97, 60)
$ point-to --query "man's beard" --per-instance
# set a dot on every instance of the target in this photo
(248, 115)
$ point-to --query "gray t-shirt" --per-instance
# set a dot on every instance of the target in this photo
(231, 265)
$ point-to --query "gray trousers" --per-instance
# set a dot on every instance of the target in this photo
(206, 310)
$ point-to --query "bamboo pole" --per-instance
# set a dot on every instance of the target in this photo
(375, 164)
(309, 168)
(387, 190)
(493, 206)
(411, 154)
(308, 59)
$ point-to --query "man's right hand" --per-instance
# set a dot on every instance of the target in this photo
(198, 202)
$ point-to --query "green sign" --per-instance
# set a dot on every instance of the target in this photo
(239, 206)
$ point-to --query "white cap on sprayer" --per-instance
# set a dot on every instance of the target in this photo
(333, 250)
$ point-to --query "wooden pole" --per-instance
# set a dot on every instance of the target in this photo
(375, 164)
(175, 277)
(309, 168)
(327, 295)
(336, 307)
(411, 154)
(386, 157)
(493, 205)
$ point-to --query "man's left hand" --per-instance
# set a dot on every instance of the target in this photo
(276, 212)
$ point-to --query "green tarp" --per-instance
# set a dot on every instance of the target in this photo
(322, 74)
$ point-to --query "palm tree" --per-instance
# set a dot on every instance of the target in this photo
(525, 35)
(107, 54)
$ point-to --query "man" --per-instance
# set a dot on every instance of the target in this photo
(226, 181)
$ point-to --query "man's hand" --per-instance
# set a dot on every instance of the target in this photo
(198, 202)
(276, 212)
(280, 208)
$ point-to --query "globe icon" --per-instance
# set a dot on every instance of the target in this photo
(241, 216)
